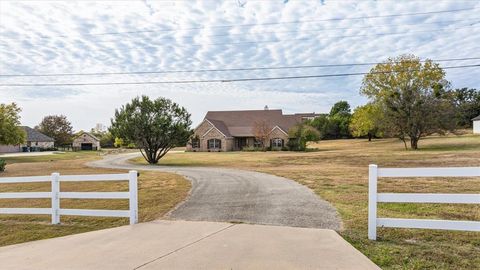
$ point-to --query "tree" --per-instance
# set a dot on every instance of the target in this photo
(58, 128)
(321, 123)
(467, 105)
(10, 132)
(342, 108)
(366, 121)
(261, 130)
(339, 120)
(412, 97)
(335, 124)
(300, 135)
(154, 126)
(105, 137)
(118, 142)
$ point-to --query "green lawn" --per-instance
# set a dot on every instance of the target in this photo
(158, 193)
(338, 172)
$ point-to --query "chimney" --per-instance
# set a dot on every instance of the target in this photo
(266, 108)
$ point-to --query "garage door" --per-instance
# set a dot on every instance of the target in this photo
(87, 146)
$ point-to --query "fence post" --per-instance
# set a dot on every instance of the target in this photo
(55, 198)
(372, 201)
(133, 200)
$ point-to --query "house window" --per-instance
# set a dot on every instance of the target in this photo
(257, 143)
(277, 143)
(195, 143)
(214, 144)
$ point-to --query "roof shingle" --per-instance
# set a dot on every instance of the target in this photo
(240, 123)
(36, 136)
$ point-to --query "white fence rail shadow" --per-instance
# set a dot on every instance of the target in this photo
(373, 198)
(55, 195)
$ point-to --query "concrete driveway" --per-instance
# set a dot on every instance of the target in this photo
(31, 154)
(217, 195)
(227, 195)
(189, 245)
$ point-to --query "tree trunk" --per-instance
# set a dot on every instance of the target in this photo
(404, 142)
(369, 137)
(414, 143)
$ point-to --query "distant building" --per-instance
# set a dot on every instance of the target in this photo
(476, 125)
(234, 130)
(35, 141)
(86, 141)
(99, 127)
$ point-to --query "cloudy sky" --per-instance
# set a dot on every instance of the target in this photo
(137, 36)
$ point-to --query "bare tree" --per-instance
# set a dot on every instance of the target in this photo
(261, 129)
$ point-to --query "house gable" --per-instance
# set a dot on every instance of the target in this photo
(277, 129)
(203, 128)
(214, 131)
(84, 136)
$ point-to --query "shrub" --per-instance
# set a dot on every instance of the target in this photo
(3, 164)
(251, 149)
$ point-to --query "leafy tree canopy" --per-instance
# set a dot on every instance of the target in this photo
(366, 121)
(154, 126)
(412, 97)
(340, 108)
(57, 127)
(10, 132)
(300, 135)
(335, 124)
(467, 105)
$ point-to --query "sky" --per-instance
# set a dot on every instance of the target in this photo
(40, 37)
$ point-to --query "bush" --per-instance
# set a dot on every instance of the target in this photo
(251, 149)
(3, 164)
(294, 145)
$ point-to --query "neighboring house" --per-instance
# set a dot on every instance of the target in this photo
(476, 125)
(86, 141)
(234, 130)
(35, 141)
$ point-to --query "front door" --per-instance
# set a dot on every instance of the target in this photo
(240, 143)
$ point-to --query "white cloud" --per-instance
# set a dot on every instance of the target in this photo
(56, 37)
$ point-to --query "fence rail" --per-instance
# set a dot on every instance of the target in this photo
(55, 195)
(374, 197)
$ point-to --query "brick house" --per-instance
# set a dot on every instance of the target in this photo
(34, 141)
(234, 130)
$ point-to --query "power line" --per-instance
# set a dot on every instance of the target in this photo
(310, 38)
(220, 80)
(219, 69)
(269, 23)
(472, 22)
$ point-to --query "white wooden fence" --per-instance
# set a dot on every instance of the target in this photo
(374, 198)
(55, 195)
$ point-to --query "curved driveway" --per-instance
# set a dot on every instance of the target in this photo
(230, 195)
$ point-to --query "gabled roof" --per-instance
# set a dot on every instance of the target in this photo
(36, 136)
(86, 133)
(476, 118)
(241, 123)
(220, 126)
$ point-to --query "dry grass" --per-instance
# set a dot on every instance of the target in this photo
(158, 193)
(338, 172)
